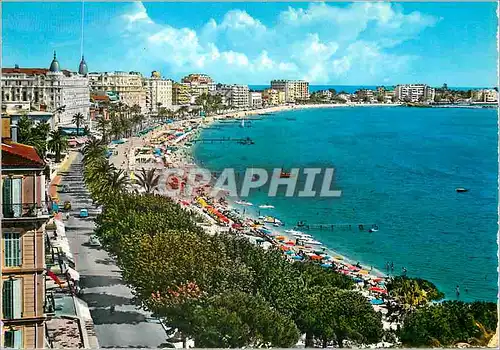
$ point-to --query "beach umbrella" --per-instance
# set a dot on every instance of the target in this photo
(378, 290)
(315, 257)
(297, 257)
(338, 257)
(280, 238)
(378, 279)
(290, 243)
(326, 265)
(289, 252)
(363, 272)
(358, 280)
(376, 302)
(353, 268)
(345, 272)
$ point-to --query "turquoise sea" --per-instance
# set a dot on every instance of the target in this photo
(397, 167)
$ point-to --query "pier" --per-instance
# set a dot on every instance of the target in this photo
(241, 141)
(301, 225)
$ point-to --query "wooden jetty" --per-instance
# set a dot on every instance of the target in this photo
(302, 225)
(241, 141)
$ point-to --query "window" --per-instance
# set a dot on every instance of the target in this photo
(12, 197)
(13, 339)
(12, 298)
(12, 249)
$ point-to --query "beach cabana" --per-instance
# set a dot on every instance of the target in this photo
(376, 302)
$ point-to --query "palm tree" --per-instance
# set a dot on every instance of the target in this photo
(78, 119)
(93, 149)
(117, 181)
(102, 126)
(58, 143)
(148, 180)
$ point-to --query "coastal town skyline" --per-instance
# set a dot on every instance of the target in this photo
(147, 37)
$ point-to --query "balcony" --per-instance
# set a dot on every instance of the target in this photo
(25, 211)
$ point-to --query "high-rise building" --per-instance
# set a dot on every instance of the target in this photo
(128, 86)
(24, 215)
(236, 96)
(295, 90)
(47, 90)
(181, 94)
(158, 92)
(414, 93)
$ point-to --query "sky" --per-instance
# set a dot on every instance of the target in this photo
(252, 43)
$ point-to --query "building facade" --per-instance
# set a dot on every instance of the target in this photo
(201, 79)
(24, 214)
(255, 99)
(181, 94)
(236, 96)
(484, 95)
(295, 90)
(272, 97)
(128, 86)
(53, 90)
(414, 93)
(158, 92)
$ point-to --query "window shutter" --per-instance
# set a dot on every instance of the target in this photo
(18, 339)
(17, 297)
(6, 196)
(17, 196)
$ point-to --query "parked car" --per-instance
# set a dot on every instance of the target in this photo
(84, 213)
(64, 189)
(94, 241)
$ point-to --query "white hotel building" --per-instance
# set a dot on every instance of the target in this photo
(158, 92)
(414, 93)
(50, 89)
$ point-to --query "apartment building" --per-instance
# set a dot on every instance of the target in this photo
(181, 94)
(128, 86)
(158, 92)
(24, 214)
(485, 95)
(255, 99)
(47, 90)
(236, 96)
(272, 97)
(414, 93)
(295, 90)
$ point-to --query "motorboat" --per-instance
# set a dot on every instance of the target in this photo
(266, 206)
(461, 189)
(243, 203)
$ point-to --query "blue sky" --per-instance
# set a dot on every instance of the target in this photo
(252, 43)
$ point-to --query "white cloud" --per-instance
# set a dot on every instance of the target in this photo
(321, 43)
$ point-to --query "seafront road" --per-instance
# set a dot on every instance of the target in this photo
(100, 279)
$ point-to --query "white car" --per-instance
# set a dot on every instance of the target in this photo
(94, 241)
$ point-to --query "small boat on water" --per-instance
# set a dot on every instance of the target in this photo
(243, 203)
(284, 175)
(266, 206)
(461, 189)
